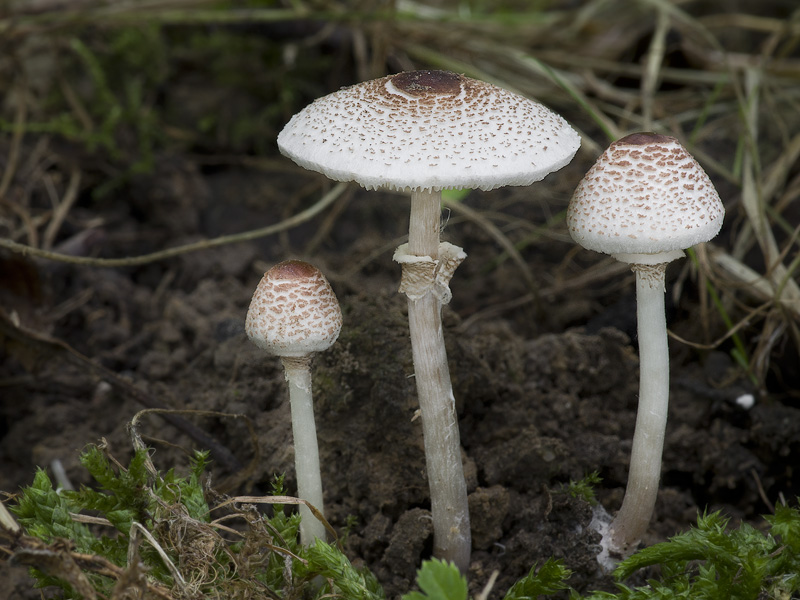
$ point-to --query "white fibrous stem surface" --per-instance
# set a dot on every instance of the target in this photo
(449, 507)
(306, 451)
(448, 489)
(633, 518)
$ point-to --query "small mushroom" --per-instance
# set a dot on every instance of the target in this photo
(293, 314)
(644, 201)
(424, 131)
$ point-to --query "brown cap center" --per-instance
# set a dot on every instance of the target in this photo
(643, 138)
(293, 270)
(421, 83)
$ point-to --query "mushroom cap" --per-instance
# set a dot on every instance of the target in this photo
(645, 195)
(294, 311)
(429, 130)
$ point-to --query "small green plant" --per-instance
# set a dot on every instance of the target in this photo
(439, 580)
(585, 487)
(548, 579)
(350, 523)
(342, 579)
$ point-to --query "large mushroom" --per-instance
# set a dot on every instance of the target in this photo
(424, 131)
(644, 201)
(293, 314)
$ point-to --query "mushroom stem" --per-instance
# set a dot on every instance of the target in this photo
(306, 451)
(448, 489)
(452, 539)
(632, 520)
(423, 226)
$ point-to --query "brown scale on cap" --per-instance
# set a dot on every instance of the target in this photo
(294, 311)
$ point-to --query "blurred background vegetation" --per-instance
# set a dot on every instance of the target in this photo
(96, 93)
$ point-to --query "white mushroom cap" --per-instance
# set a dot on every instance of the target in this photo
(429, 130)
(294, 311)
(645, 195)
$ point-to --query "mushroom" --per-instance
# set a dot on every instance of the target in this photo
(424, 131)
(293, 314)
(644, 201)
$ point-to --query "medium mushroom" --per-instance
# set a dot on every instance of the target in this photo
(424, 131)
(644, 201)
(293, 314)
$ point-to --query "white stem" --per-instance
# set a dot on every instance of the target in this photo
(423, 226)
(633, 518)
(306, 451)
(6, 520)
(452, 539)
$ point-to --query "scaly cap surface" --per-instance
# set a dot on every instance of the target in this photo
(429, 130)
(645, 195)
(294, 311)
